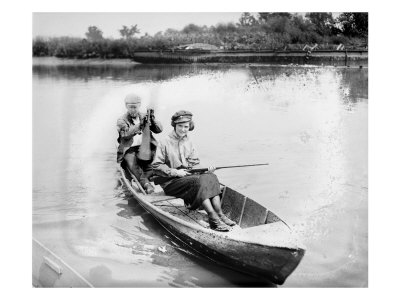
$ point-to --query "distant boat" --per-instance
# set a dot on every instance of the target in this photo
(197, 46)
(261, 245)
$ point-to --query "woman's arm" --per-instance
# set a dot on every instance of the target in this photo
(193, 158)
(159, 164)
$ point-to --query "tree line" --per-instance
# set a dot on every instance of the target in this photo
(261, 31)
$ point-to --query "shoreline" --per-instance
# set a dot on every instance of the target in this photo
(58, 61)
(334, 58)
(51, 61)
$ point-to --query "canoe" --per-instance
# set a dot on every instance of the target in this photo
(261, 245)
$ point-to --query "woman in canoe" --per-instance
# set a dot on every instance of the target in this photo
(174, 156)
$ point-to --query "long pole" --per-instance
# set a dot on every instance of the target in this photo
(144, 149)
(240, 166)
(225, 167)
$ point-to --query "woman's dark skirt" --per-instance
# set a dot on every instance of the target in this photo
(194, 189)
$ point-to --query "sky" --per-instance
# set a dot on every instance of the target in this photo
(76, 24)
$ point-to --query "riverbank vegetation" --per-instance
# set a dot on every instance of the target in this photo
(254, 32)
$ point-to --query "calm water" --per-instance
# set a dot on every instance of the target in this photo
(308, 123)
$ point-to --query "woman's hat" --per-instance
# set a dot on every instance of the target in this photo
(181, 117)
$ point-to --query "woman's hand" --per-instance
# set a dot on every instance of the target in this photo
(181, 173)
(211, 169)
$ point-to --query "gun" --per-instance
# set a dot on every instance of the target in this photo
(202, 170)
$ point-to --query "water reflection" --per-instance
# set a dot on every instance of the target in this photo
(355, 85)
(129, 72)
(354, 81)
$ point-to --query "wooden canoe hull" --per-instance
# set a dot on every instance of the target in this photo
(239, 251)
(272, 263)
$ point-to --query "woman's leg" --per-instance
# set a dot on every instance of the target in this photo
(208, 207)
(213, 219)
(216, 203)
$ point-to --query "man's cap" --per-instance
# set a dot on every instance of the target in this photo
(181, 116)
(132, 98)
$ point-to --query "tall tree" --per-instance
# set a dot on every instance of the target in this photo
(94, 33)
(276, 23)
(128, 33)
(323, 22)
(192, 29)
(247, 19)
(354, 24)
(264, 16)
(225, 29)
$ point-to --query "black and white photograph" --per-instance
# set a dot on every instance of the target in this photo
(200, 149)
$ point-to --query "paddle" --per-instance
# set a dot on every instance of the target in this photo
(202, 170)
(136, 181)
(144, 149)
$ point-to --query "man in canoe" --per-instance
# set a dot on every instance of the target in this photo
(176, 155)
(130, 128)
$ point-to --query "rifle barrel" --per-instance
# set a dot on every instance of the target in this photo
(225, 167)
(240, 166)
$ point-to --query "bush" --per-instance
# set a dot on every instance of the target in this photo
(339, 39)
(40, 47)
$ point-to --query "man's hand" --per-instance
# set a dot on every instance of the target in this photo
(143, 122)
(152, 117)
(135, 128)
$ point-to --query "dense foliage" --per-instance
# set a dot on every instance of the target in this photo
(276, 31)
